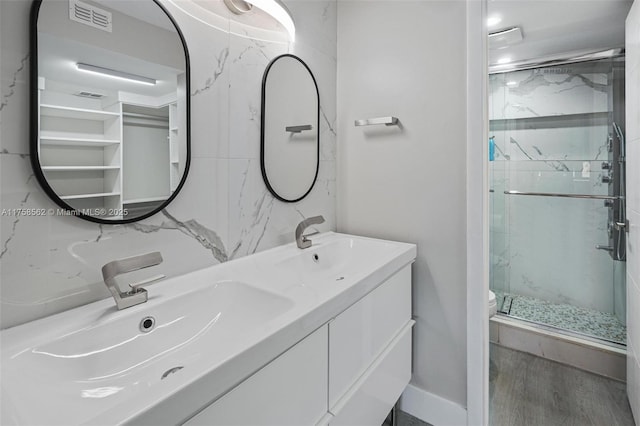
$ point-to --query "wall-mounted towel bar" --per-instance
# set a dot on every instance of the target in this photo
(298, 129)
(387, 121)
(553, 194)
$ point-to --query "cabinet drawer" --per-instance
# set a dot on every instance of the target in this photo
(359, 334)
(371, 398)
(291, 390)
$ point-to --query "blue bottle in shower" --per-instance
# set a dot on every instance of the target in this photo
(492, 148)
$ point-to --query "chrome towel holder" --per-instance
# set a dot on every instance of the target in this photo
(298, 129)
(387, 121)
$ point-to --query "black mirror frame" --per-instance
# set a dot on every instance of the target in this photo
(33, 122)
(262, 123)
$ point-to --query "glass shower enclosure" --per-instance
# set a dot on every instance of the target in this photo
(556, 148)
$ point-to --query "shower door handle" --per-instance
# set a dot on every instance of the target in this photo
(622, 225)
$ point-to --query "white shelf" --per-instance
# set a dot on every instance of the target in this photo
(146, 200)
(80, 196)
(78, 168)
(174, 148)
(76, 141)
(77, 113)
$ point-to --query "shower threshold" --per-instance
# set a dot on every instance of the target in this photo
(576, 321)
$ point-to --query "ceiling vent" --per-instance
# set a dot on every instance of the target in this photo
(90, 95)
(505, 38)
(89, 15)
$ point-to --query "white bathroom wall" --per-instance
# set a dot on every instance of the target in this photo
(633, 207)
(52, 263)
(408, 183)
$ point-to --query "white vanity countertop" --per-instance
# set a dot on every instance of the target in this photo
(92, 365)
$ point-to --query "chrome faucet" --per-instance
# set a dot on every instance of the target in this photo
(137, 294)
(301, 240)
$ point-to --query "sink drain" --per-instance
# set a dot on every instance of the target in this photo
(147, 324)
(315, 257)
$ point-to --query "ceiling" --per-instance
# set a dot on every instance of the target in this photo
(143, 42)
(141, 10)
(553, 27)
(57, 59)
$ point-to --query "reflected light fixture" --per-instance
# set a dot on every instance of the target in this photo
(504, 60)
(279, 12)
(512, 83)
(115, 73)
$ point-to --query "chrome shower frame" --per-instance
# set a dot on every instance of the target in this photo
(617, 216)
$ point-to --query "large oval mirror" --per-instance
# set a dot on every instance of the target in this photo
(109, 107)
(290, 139)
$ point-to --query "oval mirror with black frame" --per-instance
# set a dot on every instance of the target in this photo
(290, 138)
(110, 108)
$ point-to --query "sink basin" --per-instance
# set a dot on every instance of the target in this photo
(116, 356)
(331, 259)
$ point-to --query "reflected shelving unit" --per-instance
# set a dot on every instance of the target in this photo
(174, 150)
(80, 149)
(82, 144)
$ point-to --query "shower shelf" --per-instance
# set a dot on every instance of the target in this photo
(550, 121)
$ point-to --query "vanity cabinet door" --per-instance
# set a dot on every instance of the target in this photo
(373, 395)
(291, 390)
(362, 332)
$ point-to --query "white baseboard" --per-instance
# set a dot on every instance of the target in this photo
(432, 408)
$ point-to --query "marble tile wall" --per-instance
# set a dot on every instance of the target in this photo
(550, 128)
(52, 263)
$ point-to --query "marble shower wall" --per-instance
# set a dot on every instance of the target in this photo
(52, 263)
(550, 128)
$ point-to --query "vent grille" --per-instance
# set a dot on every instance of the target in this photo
(90, 95)
(89, 15)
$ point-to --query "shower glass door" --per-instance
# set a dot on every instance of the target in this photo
(555, 254)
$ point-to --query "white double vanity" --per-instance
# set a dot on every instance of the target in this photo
(283, 337)
(296, 335)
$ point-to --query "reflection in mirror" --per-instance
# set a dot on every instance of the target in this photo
(290, 138)
(110, 111)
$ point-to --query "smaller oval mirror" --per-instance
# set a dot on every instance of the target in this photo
(290, 140)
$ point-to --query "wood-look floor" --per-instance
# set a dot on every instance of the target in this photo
(526, 390)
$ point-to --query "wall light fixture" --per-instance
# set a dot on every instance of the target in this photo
(279, 12)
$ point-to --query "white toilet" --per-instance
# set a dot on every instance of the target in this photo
(493, 306)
